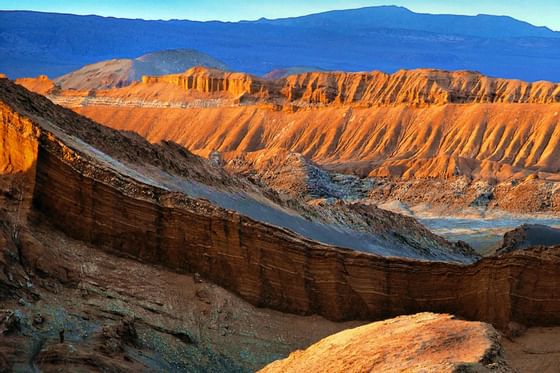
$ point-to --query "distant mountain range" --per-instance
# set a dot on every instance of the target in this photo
(385, 38)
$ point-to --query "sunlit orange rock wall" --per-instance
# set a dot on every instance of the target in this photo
(18, 154)
(479, 140)
(210, 81)
(420, 87)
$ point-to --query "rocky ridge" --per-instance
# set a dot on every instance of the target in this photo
(416, 87)
(411, 125)
(265, 265)
(527, 236)
(112, 318)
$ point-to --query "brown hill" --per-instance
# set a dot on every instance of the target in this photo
(122, 72)
(418, 343)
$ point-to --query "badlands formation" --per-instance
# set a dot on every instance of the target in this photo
(477, 141)
(273, 242)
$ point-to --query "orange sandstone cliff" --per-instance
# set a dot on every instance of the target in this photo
(419, 87)
(409, 125)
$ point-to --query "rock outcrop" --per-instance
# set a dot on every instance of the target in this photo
(527, 236)
(212, 81)
(419, 343)
(100, 200)
(41, 84)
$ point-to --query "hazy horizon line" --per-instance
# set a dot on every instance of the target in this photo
(279, 18)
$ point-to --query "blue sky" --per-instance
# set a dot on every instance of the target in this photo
(538, 12)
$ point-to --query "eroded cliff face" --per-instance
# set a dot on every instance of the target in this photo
(274, 268)
(409, 125)
(18, 144)
(268, 266)
(213, 81)
(18, 155)
(418, 87)
(120, 315)
(506, 152)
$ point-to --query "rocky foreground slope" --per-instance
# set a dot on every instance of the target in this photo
(113, 203)
(119, 315)
(420, 343)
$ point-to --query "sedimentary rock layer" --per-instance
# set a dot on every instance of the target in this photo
(270, 266)
(18, 156)
(273, 268)
(419, 87)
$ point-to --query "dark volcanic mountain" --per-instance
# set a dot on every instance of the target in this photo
(390, 38)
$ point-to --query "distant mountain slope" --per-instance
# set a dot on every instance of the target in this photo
(122, 72)
(393, 17)
(382, 38)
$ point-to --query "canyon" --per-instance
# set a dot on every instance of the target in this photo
(105, 192)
